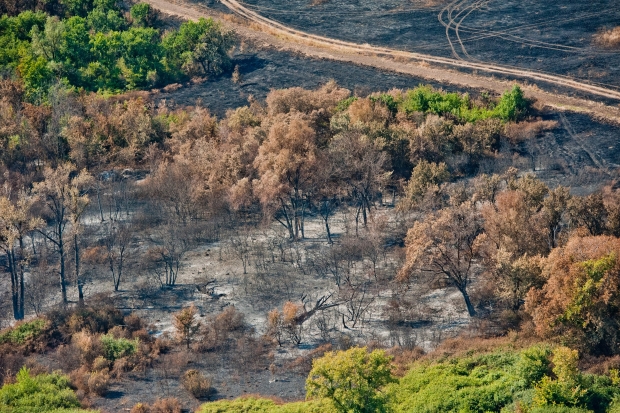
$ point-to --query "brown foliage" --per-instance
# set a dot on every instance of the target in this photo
(186, 324)
(89, 347)
(218, 330)
(305, 101)
(445, 245)
(580, 302)
(611, 200)
(197, 383)
(303, 364)
(403, 358)
(608, 37)
(141, 408)
(10, 363)
(286, 163)
(98, 382)
(522, 131)
(365, 111)
(167, 405)
(588, 212)
(79, 379)
(513, 226)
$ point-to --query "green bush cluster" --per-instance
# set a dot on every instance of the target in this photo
(512, 106)
(93, 46)
(21, 333)
(116, 348)
(42, 393)
(535, 380)
(254, 405)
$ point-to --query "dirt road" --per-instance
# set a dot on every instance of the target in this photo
(265, 32)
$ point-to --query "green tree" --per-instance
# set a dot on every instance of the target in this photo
(198, 47)
(140, 57)
(352, 379)
(15, 36)
(77, 49)
(142, 15)
(51, 43)
(42, 393)
(513, 106)
(102, 20)
(103, 73)
(36, 76)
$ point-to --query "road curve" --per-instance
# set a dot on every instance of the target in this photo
(280, 29)
(266, 37)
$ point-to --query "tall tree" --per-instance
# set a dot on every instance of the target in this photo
(200, 46)
(361, 167)
(286, 163)
(445, 245)
(15, 223)
(580, 302)
(61, 194)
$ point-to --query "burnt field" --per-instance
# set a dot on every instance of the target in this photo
(555, 37)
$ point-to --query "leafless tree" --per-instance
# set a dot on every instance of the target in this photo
(61, 194)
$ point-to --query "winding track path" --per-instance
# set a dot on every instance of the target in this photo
(269, 32)
(279, 28)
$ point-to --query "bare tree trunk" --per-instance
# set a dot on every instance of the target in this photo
(17, 286)
(329, 234)
(99, 202)
(303, 216)
(22, 288)
(470, 308)
(63, 284)
(76, 249)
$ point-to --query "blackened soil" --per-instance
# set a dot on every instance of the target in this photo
(554, 36)
(265, 70)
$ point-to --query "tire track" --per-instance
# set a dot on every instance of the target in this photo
(340, 45)
(575, 136)
(480, 34)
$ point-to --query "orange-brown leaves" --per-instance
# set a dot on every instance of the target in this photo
(580, 302)
(305, 101)
(510, 224)
(286, 160)
(445, 244)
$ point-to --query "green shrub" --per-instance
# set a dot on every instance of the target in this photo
(345, 103)
(534, 364)
(387, 100)
(23, 332)
(42, 393)
(115, 348)
(254, 405)
(506, 381)
(513, 106)
(351, 379)
(558, 409)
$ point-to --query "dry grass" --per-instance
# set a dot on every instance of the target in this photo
(303, 364)
(608, 37)
(197, 383)
(523, 131)
(98, 383)
(169, 405)
(403, 359)
(141, 408)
